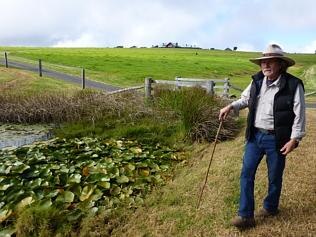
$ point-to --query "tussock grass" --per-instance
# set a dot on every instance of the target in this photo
(171, 210)
(42, 222)
(198, 112)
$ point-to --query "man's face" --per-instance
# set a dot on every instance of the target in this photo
(271, 68)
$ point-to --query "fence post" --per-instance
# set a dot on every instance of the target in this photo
(40, 67)
(177, 86)
(83, 75)
(210, 87)
(148, 82)
(6, 59)
(226, 88)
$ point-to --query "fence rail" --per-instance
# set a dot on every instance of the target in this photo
(208, 84)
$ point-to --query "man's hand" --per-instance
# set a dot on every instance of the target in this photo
(289, 146)
(223, 113)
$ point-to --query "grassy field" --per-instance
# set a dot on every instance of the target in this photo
(128, 67)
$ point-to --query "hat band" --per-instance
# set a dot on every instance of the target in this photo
(271, 54)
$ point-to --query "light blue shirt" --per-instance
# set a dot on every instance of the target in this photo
(264, 117)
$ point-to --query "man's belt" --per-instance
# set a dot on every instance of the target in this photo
(265, 131)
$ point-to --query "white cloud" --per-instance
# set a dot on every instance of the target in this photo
(247, 24)
(84, 40)
(310, 48)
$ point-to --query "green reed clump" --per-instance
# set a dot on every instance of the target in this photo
(198, 112)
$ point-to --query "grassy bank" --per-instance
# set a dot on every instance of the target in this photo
(17, 81)
(171, 210)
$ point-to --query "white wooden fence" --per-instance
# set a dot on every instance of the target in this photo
(208, 84)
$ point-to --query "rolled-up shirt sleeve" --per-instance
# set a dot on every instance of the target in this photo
(243, 101)
(298, 128)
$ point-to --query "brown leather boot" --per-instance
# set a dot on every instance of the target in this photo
(263, 213)
(243, 222)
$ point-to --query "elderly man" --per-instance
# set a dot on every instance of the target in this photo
(275, 125)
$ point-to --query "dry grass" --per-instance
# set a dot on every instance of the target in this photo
(62, 107)
(171, 211)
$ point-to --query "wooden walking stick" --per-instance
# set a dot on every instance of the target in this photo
(209, 165)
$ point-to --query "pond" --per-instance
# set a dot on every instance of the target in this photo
(16, 135)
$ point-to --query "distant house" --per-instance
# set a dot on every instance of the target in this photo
(228, 49)
(170, 45)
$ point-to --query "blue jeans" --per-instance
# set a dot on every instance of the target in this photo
(261, 144)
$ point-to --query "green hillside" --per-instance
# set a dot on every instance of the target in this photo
(128, 67)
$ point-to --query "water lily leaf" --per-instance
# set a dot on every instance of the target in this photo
(53, 193)
(4, 214)
(65, 197)
(46, 203)
(76, 189)
(130, 167)
(144, 172)
(98, 177)
(45, 172)
(164, 167)
(54, 167)
(4, 169)
(20, 168)
(45, 184)
(97, 195)
(136, 150)
(63, 178)
(154, 167)
(35, 183)
(105, 185)
(16, 194)
(74, 178)
(119, 143)
(86, 192)
(141, 164)
(8, 232)
(40, 194)
(64, 169)
(85, 171)
(114, 172)
(24, 202)
(69, 196)
(115, 191)
(4, 187)
(122, 179)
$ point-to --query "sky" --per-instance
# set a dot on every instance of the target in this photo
(249, 25)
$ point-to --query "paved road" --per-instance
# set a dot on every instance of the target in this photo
(62, 76)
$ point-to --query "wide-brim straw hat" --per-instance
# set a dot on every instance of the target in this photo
(273, 51)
